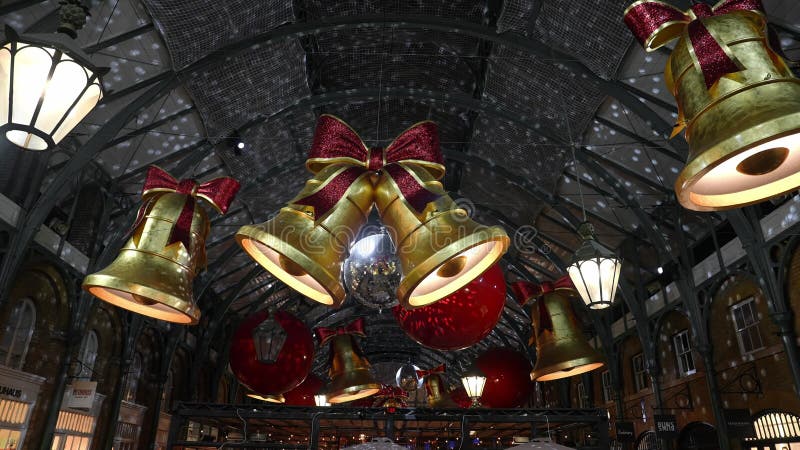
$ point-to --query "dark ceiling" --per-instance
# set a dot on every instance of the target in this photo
(530, 97)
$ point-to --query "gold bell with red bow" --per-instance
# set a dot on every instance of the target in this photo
(737, 99)
(350, 372)
(435, 388)
(562, 349)
(154, 271)
(307, 242)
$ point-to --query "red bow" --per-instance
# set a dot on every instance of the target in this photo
(336, 143)
(219, 192)
(391, 392)
(654, 24)
(435, 370)
(355, 328)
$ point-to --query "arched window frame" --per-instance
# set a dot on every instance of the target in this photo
(777, 425)
(88, 355)
(132, 378)
(17, 340)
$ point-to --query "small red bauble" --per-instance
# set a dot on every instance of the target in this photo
(459, 396)
(303, 395)
(462, 318)
(508, 378)
(289, 369)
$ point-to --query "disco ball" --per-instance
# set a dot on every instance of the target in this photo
(372, 271)
(407, 378)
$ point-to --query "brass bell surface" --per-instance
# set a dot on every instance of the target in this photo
(350, 372)
(440, 249)
(149, 277)
(306, 254)
(743, 132)
(562, 350)
(436, 391)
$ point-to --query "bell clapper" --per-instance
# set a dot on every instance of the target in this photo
(291, 267)
(763, 162)
(452, 267)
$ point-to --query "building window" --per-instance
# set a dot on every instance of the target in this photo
(639, 372)
(777, 425)
(88, 355)
(132, 378)
(683, 352)
(73, 431)
(608, 387)
(17, 336)
(583, 399)
(745, 322)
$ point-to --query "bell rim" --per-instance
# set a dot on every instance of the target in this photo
(702, 161)
(586, 364)
(369, 388)
(332, 285)
(98, 281)
(419, 273)
(269, 398)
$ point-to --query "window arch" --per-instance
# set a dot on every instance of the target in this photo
(88, 355)
(777, 425)
(132, 378)
(647, 441)
(17, 335)
(166, 393)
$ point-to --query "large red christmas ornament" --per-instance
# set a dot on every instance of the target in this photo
(303, 395)
(508, 378)
(461, 319)
(290, 367)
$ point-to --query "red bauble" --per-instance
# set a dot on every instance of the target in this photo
(289, 369)
(459, 396)
(303, 395)
(462, 318)
(508, 378)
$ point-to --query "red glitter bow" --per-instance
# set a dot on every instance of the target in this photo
(355, 328)
(435, 370)
(336, 143)
(391, 392)
(655, 23)
(525, 291)
(219, 192)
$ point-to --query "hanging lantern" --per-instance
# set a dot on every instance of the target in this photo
(321, 399)
(350, 372)
(292, 365)
(269, 338)
(474, 381)
(462, 318)
(372, 270)
(737, 99)
(46, 88)
(508, 377)
(562, 350)
(594, 270)
(154, 271)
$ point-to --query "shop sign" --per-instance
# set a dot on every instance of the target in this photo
(625, 432)
(8, 391)
(81, 395)
(740, 423)
(666, 426)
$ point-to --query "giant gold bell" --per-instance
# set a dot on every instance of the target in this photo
(743, 132)
(305, 253)
(150, 277)
(350, 372)
(561, 347)
(440, 249)
(437, 394)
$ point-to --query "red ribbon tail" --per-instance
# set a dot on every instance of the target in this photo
(414, 193)
(182, 231)
(714, 62)
(326, 198)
